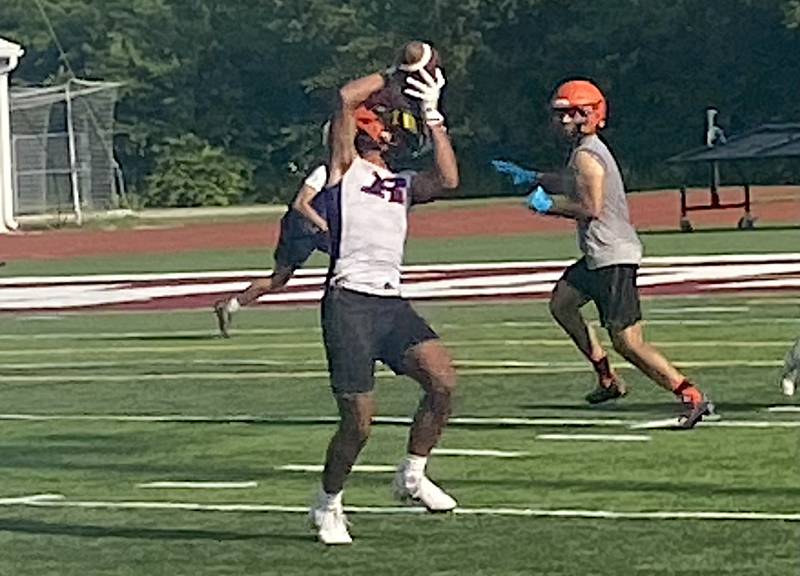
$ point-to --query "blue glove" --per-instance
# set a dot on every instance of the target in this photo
(519, 175)
(540, 201)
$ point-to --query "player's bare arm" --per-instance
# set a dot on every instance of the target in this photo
(444, 178)
(302, 203)
(588, 199)
(343, 127)
(563, 183)
(590, 174)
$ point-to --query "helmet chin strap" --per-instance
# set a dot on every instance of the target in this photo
(427, 54)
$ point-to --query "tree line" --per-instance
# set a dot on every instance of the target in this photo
(236, 90)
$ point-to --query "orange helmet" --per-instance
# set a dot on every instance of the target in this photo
(584, 96)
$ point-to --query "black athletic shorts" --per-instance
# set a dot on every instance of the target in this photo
(298, 240)
(613, 290)
(359, 329)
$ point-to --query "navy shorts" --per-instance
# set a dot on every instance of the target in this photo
(298, 240)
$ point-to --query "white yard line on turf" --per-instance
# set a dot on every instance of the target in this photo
(243, 332)
(491, 369)
(672, 423)
(57, 501)
(200, 485)
(478, 453)
(780, 409)
(504, 342)
(15, 500)
(596, 437)
(153, 335)
(161, 349)
(228, 376)
(134, 362)
(402, 420)
(466, 368)
(247, 418)
(768, 301)
(699, 310)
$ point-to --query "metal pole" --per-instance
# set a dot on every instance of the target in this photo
(7, 221)
(73, 161)
(5, 157)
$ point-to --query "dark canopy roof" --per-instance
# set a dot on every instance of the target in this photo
(766, 141)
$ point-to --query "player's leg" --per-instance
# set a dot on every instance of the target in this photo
(296, 243)
(355, 412)
(571, 293)
(790, 375)
(348, 336)
(225, 308)
(620, 313)
(274, 282)
(431, 366)
(412, 348)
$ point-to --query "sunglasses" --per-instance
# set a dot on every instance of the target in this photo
(566, 115)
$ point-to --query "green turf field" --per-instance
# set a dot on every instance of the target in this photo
(513, 363)
(424, 251)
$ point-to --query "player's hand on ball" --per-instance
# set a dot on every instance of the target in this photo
(428, 91)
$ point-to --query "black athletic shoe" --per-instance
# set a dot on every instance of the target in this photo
(616, 389)
(223, 318)
(695, 413)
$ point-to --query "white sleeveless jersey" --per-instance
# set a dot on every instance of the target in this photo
(368, 221)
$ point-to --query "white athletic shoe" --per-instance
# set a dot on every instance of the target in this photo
(788, 386)
(422, 491)
(331, 526)
(791, 369)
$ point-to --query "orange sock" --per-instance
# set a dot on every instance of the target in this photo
(688, 392)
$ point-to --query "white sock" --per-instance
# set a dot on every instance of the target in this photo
(414, 466)
(330, 501)
(233, 305)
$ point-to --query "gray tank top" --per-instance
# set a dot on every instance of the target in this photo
(611, 238)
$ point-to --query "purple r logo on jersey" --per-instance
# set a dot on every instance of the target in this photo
(396, 187)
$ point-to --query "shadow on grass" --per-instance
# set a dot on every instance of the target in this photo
(581, 485)
(134, 533)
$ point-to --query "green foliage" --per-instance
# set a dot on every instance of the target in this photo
(792, 9)
(257, 77)
(191, 172)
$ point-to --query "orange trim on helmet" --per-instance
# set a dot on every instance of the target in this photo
(369, 123)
